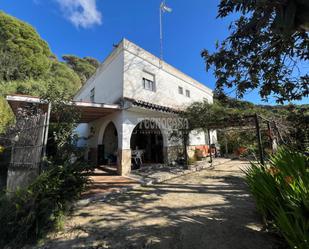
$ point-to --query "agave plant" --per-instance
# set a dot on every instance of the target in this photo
(281, 191)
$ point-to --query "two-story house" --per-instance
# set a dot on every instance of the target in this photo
(149, 93)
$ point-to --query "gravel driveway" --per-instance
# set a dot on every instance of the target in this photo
(209, 209)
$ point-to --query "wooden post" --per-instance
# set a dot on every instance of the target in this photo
(226, 146)
(275, 138)
(259, 138)
(45, 136)
(46, 129)
(270, 134)
(185, 142)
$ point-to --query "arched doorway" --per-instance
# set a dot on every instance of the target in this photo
(147, 138)
(110, 144)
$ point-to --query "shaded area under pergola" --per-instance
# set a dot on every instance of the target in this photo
(88, 111)
(254, 122)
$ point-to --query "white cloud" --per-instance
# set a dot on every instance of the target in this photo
(82, 13)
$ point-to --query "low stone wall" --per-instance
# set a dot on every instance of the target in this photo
(172, 153)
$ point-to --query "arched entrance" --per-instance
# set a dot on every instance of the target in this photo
(110, 144)
(147, 139)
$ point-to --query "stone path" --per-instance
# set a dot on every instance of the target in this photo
(159, 173)
(105, 182)
(209, 209)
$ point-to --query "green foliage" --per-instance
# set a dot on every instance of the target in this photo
(28, 87)
(63, 79)
(61, 129)
(27, 66)
(202, 115)
(232, 115)
(29, 213)
(23, 54)
(6, 116)
(236, 139)
(281, 191)
(299, 117)
(84, 67)
(266, 49)
(192, 160)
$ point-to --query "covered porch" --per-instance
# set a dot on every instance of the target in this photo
(130, 139)
(121, 136)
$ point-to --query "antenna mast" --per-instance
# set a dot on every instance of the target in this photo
(163, 8)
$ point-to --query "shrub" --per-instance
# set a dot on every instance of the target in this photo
(192, 160)
(281, 191)
(29, 213)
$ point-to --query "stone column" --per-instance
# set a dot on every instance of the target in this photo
(165, 155)
(124, 162)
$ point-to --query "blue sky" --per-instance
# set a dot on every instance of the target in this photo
(191, 27)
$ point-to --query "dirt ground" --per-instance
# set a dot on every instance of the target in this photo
(209, 209)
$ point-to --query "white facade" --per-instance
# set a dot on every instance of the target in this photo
(131, 73)
(121, 75)
(167, 80)
(107, 82)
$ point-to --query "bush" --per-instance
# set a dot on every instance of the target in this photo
(281, 191)
(29, 213)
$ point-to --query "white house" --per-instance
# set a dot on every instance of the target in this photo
(146, 94)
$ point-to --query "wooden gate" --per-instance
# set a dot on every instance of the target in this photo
(28, 145)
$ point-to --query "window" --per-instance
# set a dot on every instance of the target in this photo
(92, 95)
(180, 90)
(148, 84)
(149, 81)
(188, 93)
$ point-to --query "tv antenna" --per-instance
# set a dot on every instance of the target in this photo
(163, 9)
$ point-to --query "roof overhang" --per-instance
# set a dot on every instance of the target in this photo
(131, 103)
(88, 111)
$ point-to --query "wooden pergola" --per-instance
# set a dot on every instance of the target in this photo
(246, 122)
(88, 111)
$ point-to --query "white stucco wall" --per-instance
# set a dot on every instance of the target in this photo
(133, 117)
(213, 137)
(107, 81)
(197, 137)
(99, 126)
(82, 130)
(121, 75)
(125, 122)
(167, 80)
